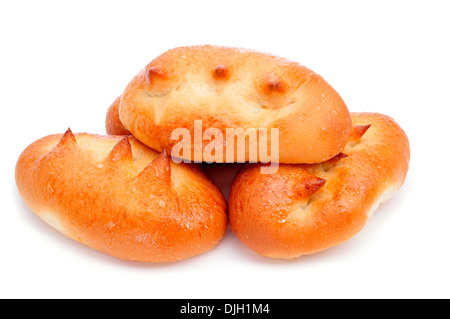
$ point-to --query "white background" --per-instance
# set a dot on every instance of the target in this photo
(62, 64)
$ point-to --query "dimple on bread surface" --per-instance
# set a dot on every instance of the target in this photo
(118, 196)
(235, 88)
(304, 209)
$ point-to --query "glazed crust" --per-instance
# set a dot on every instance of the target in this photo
(116, 195)
(304, 209)
(112, 123)
(235, 88)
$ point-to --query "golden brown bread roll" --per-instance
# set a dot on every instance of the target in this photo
(235, 88)
(116, 195)
(113, 124)
(304, 209)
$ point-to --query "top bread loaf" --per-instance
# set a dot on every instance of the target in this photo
(201, 87)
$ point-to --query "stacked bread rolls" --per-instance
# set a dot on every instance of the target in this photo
(133, 195)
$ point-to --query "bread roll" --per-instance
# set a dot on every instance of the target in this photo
(117, 196)
(113, 124)
(304, 209)
(235, 88)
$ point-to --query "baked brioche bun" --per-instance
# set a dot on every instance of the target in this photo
(304, 209)
(112, 123)
(235, 88)
(118, 196)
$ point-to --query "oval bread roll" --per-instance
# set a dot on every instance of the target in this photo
(235, 88)
(112, 123)
(304, 209)
(117, 196)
